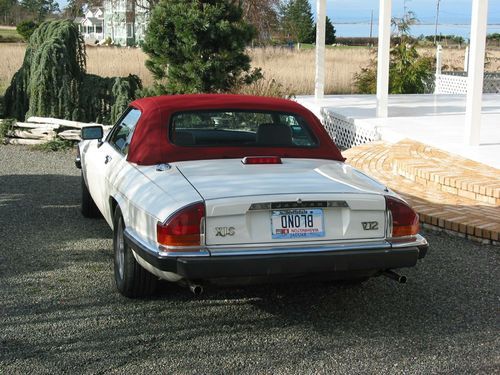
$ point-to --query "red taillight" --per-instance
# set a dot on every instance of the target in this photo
(404, 219)
(261, 160)
(183, 228)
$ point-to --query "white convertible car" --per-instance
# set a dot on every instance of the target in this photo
(207, 188)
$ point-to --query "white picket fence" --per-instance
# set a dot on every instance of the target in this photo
(39, 130)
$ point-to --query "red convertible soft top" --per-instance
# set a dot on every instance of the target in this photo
(150, 143)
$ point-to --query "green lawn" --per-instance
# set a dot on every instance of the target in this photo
(9, 35)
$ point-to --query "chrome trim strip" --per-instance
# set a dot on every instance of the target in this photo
(158, 253)
(179, 251)
(296, 244)
(297, 204)
(417, 240)
(302, 249)
(412, 241)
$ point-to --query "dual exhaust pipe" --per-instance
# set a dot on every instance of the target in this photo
(197, 289)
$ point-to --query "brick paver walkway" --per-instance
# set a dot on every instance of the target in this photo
(447, 191)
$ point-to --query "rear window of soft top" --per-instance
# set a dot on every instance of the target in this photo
(240, 128)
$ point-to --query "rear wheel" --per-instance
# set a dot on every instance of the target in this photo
(131, 279)
(88, 208)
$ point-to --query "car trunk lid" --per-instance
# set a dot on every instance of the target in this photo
(299, 201)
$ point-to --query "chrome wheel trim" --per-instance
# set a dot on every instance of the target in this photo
(120, 250)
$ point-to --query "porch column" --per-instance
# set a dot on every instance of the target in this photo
(476, 71)
(384, 46)
(319, 82)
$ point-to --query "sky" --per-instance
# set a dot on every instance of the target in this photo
(450, 12)
(353, 11)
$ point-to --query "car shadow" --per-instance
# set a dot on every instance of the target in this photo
(61, 308)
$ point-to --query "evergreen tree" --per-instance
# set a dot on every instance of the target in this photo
(52, 81)
(297, 21)
(6, 7)
(198, 46)
(40, 8)
(329, 31)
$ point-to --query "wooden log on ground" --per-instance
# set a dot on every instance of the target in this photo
(32, 134)
(20, 141)
(28, 125)
(70, 135)
(60, 122)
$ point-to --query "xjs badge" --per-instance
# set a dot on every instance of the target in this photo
(370, 225)
(224, 231)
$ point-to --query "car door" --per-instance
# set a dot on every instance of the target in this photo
(107, 162)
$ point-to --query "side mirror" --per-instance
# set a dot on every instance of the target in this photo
(92, 132)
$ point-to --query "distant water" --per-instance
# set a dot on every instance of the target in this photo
(363, 30)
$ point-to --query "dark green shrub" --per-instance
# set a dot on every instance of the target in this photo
(26, 29)
(409, 73)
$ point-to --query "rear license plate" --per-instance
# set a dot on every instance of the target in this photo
(300, 223)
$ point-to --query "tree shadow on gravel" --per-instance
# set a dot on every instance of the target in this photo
(39, 216)
(62, 311)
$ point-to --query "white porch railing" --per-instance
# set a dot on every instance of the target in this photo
(345, 132)
(93, 36)
(456, 83)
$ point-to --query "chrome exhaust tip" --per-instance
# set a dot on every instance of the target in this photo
(394, 276)
(196, 289)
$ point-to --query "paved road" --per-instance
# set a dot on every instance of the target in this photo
(60, 312)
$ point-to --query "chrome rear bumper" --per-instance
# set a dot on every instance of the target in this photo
(285, 260)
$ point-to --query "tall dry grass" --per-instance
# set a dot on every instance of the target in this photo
(117, 62)
(293, 69)
(11, 59)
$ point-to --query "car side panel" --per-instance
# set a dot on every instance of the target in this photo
(143, 203)
(96, 170)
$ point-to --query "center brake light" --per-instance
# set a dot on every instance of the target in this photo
(183, 230)
(261, 160)
(404, 219)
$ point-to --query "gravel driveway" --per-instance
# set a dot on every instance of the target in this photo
(60, 312)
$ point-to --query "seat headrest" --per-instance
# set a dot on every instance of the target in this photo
(184, 138)
(274, 135)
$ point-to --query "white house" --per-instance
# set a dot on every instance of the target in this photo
(124, 22)
(91, 26)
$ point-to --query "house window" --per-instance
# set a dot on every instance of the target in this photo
(98, 29)
(130, 30)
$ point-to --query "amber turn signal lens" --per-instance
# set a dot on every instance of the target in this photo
(404, 219)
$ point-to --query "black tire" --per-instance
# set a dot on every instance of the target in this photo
(131, 279)
(89, 208)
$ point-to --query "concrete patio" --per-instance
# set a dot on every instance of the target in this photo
(436, 120)
(420, 152)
